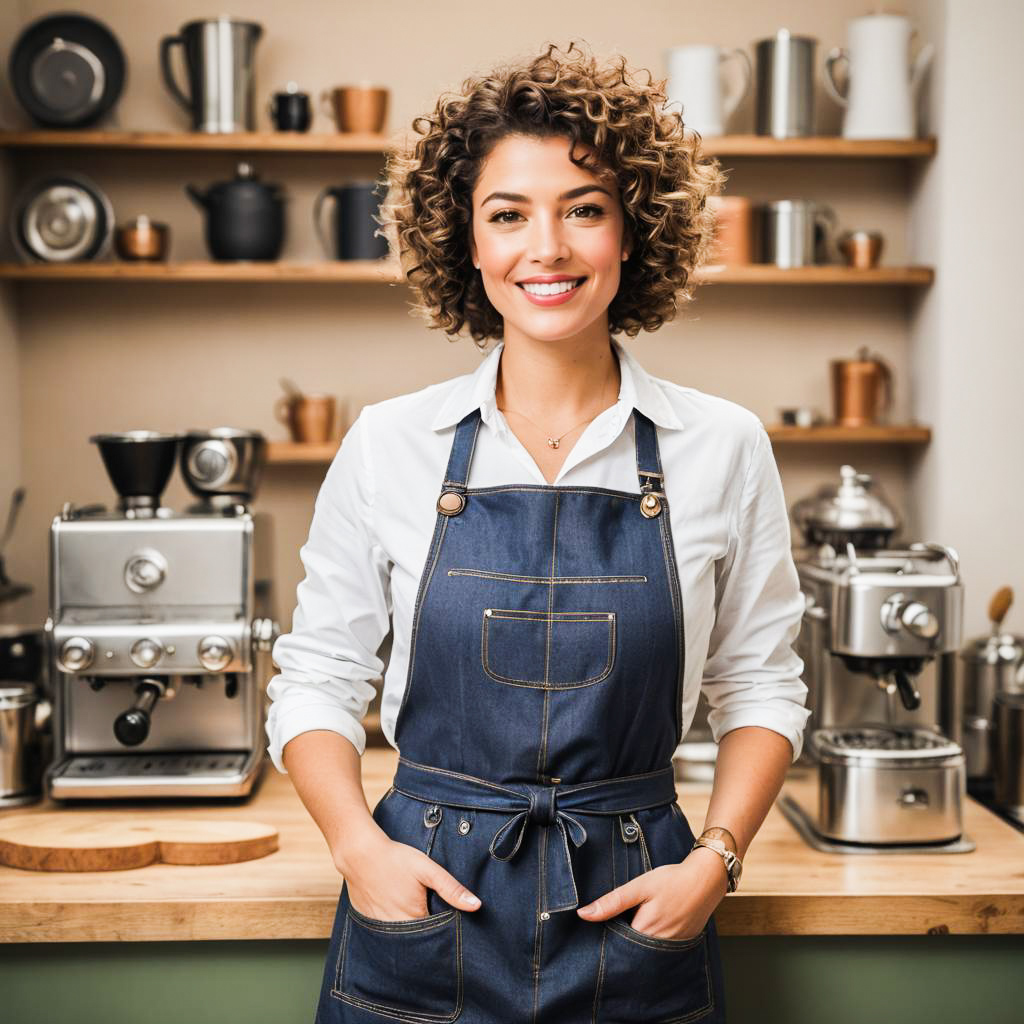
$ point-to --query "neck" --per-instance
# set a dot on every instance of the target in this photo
(557, 383)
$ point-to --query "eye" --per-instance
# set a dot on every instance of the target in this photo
(597, 211)
(498, 217)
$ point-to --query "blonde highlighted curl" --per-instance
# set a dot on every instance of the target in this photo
(663, 176)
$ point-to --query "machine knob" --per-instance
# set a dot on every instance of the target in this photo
(920, 620)
(214, 653)
(145, 570)
(912, 616)
(76, 654)
(146, 652)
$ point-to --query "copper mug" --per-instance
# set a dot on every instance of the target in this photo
(734, 234)
(356, 108)
(861, 390)
(309, 418)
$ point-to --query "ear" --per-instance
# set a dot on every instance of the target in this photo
(472, 250)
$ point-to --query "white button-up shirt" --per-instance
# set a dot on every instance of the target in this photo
(374, 518)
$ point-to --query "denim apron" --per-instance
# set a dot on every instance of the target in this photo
(540, 715)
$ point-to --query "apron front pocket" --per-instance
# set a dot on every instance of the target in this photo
(547, 650)
(652, 980)
(411, 970)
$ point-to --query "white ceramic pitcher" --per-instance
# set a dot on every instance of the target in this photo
(695, 82)
(881, 97)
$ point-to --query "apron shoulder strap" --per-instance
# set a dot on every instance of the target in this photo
(457, 473)
(648, 455)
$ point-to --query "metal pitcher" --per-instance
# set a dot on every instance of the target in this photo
(220, 63)
(785, 85)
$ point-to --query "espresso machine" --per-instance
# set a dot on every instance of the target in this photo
(881, 628)
(156, 651)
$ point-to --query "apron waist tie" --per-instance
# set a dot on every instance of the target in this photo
(543, 805)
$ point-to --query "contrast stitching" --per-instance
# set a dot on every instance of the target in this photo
(416, 1015)
(425, 578)
(600, 976)
(544, 580)
(538, 684)
(638, 938)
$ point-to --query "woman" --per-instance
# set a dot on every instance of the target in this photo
(530, 862)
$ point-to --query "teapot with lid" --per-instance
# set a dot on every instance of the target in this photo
(854, 512)
(244, 217)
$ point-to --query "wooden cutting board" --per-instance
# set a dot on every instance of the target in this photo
(98, 841)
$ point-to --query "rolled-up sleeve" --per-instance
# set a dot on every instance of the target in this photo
(329, 660)
(752, 673)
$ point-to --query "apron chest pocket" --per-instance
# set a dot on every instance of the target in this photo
(642, 978)
(547, 650)
(410, 970)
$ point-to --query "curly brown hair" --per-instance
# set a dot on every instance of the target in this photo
(663, 176)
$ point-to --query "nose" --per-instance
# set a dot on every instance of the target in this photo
(548, 244)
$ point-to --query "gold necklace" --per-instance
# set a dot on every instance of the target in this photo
(553, 442)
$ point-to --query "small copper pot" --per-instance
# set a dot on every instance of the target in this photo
(142, 239)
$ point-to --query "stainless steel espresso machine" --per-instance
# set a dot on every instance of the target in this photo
(879, 638)
(156, 652)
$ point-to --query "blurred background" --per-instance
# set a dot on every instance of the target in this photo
(180, 350)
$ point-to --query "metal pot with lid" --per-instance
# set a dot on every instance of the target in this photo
(888, 784)
(992, 664)
(854, 512)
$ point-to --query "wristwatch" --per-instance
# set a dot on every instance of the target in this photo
(733, 865)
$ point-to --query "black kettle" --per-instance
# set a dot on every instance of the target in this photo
(244, 217)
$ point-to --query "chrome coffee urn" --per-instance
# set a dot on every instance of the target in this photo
(156, 650)
(881, 628)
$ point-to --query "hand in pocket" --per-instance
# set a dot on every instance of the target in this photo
(388, 881)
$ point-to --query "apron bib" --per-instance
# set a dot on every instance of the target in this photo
(540, 715)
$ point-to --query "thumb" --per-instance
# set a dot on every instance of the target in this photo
(447, 886)
(614, 901)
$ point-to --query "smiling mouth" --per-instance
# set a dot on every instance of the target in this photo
(556, 288)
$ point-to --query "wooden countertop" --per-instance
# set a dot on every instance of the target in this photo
(788, 888)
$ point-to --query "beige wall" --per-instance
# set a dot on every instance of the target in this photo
(108, 356)
(10, 407)
(967, 345)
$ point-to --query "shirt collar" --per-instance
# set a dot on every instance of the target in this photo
(637, 389)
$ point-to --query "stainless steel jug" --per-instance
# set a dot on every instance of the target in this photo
(785, 85)
(220, 63)
(794, 232)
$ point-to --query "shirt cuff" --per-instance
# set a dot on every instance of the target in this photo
(306, 719)
(782, 716)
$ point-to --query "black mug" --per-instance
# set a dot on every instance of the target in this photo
(353, 236)
(291, 111)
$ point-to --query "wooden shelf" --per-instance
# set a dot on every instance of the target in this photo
(764, 273)
(327, 271)
(287, 453)
(828, 146)
(905, 435)
(223, 142)
(342, 142)
(291, 453)
(386, 271)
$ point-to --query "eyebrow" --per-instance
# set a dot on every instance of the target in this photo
(515, 197)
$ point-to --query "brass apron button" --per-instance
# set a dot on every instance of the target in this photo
(451, 503)
(650, 505)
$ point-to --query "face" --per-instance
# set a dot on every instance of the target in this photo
(539, 218)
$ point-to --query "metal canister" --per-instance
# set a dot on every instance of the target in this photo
(1007, 751)
(21, 757)
(990, 664)
(785, 85)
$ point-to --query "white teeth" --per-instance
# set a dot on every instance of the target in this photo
(551, 289)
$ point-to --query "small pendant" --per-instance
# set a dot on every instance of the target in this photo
(553, 442)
